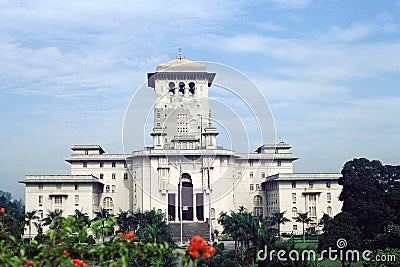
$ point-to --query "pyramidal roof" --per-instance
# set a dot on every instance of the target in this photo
(180, 64)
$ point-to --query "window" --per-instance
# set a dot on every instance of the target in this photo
(101, 164)
(251, 175)
(257, 186)
(293, 184)
(251, 187)
(294, 197)
(312, 198)
(113, 164)
(40, 200)
(312, 211)
(125, 176)
(311, 184)
(113, 176)
(113, 188)
(279, 163)
(263, 175)
(40, 185)
(58, 200)
(251, 163)
(40, 212)
(294, 212)
(328, 184)
(329, 211)
(84, 164)
(76, 186)
(294, 227)
(108, 204)
(328, 197)
(58, 186)
(86, 152)
(101, 175)
(257, 200)
(107, 189)
(239, 174)
(125, 164)
(76, 200)
(212, 211)
(258, 211)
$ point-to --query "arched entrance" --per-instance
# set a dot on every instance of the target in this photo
(187, 197)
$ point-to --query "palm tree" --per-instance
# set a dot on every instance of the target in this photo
(127, 222)
(102, 217)
(279, 218)
(29, 217)
(50, 217)
(303, 218)
(81, 216)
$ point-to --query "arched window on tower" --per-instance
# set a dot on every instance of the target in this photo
(108, 204)
(257, 200)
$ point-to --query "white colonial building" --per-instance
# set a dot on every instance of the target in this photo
(214, 179)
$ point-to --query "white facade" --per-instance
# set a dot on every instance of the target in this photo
(214, 179)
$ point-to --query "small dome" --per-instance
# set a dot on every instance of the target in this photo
(181, 65)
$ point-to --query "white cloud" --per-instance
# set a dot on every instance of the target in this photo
(292, 3)
(354, 33)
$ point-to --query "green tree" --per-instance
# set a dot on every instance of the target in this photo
(127, 221)
(29, 217)
(152, 227)
(103, 223)
(304, 219)
(81, 216)
(50, 216)
(371, 192)
(341, 233)
(278, 218)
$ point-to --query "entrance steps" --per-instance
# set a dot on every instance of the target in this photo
(189, 229)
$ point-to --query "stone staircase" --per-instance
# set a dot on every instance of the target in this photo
(189, 229)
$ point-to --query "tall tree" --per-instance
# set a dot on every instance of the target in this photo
(81, 216)
(341, 233)
(127, 221)
(279, 218)
(50, 216)
(103, 223)
(371, 192)
(304, 219)
(29, 217)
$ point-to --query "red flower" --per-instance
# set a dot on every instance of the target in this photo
(194, 253)
(127, 236)
(65, 254)
(79, 263)
(29, 264)
(197, 244)
(208, 251)
(2, 210)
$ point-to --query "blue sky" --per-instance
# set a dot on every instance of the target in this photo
(330, 71)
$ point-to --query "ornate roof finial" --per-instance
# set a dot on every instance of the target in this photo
(180, 53)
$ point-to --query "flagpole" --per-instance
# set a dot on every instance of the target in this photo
(209, 202)
(180, 200)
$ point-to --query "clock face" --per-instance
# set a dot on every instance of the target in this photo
(171, 85)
